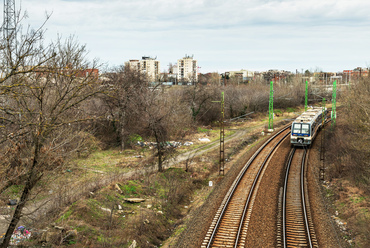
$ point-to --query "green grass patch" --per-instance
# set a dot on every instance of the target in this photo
(104, 161)
(16, 189)
(131, 188)
(356, 199)
(291, 110)
(278, 112)
(202, 130)
(65, 216)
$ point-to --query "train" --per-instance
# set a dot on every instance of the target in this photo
(305, 127)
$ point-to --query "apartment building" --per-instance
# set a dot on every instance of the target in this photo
(187, 69)
(242, 75)
(147, 65)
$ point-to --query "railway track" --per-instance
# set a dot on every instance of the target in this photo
(297, 224)
(230, 224)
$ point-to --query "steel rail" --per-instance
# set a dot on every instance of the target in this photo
(303, 198)
(251, 191)
(238, 181)
(284, 194)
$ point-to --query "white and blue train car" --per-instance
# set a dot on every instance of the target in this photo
(305, 127)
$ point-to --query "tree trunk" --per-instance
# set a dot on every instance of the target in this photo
(31, 181)
(121, 131)
(159, 147)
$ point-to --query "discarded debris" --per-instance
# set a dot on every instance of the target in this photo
(12, 202)
(19, 235)
(204, 140)
(174, 144)
(134, 200)
(118, 189)
(133, 245)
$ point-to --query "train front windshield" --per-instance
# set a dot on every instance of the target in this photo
(301, 129)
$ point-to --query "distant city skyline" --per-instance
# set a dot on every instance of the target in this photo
(222, 35)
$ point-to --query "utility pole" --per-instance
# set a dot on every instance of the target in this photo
(271, 107)
(334, 104)
(306, 97)
(222, 135)
(9, 31)
(322, 150)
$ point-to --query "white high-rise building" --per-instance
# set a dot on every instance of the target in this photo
(147, 65)
(187, 69)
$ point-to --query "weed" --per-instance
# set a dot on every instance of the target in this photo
(278, 112)
(15, 190)
(290, 110)
(132, 188)
(65, 216)
(202, 130)
(356, 199)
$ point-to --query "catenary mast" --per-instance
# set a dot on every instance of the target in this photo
(9, 31)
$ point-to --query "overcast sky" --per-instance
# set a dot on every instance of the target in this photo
(329, 35)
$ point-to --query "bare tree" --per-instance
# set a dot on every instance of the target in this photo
(126, 89)
(42, 97)
(197, 97)
(164, 117)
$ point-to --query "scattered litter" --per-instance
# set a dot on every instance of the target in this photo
(20, 234)
(106, 209)
(342, 225)
(13, 202)
(116, 187)
(133, 245)
(167, 144)
(134, 200)
(204, 140)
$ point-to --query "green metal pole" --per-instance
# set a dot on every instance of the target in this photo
(306, 97)
(271, 106)
(334, 104)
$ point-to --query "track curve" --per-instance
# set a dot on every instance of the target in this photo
(230, 224)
